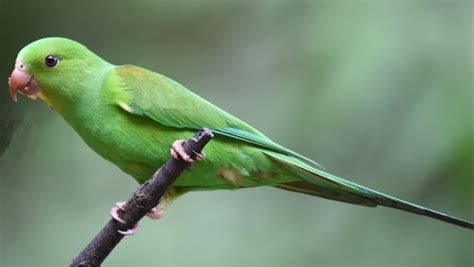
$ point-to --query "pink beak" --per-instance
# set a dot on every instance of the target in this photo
(21, 81)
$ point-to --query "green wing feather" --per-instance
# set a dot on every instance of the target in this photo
(260, 141)
(146, 93)
(169, 103)
(173, 105)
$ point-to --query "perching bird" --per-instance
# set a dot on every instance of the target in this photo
(130, 116)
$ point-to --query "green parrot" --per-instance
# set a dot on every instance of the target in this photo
(131, 116)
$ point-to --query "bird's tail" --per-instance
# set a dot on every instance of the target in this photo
(320, 183)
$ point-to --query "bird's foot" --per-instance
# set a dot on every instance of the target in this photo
(153, 214)
(177, 151)
(130, 231)
(114, 213)
(199, 156)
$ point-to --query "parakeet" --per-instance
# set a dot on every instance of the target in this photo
(130, 116)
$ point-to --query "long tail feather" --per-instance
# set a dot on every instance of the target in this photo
(329, 186)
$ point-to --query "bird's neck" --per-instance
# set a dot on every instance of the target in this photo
(79, 97)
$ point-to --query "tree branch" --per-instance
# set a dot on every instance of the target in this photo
(145, 198)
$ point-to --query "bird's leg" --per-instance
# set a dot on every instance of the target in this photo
(153, 214)
(177, 151)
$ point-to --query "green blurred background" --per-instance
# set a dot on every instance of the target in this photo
(380, 92)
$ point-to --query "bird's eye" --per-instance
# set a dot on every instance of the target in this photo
(51, 61)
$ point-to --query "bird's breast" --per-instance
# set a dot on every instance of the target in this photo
(133, 143)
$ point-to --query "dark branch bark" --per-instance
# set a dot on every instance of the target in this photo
(143, 200)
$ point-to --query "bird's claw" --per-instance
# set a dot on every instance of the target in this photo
(114, 211)
(114, 214)
(199, 156)
(177, 151)
(130, 231)
(153, 214)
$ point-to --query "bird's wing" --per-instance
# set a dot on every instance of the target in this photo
(162, 99)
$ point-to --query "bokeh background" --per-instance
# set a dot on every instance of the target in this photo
(380, 92)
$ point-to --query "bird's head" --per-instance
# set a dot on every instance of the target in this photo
(54, 69)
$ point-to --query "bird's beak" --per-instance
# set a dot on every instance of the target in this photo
(21, 81)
